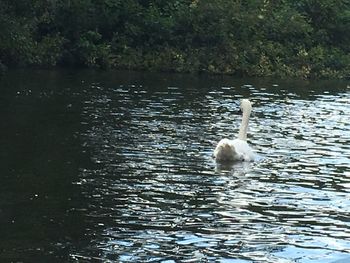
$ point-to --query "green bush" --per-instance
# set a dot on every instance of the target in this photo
(92, 52)
(49, 51)
(304, 39)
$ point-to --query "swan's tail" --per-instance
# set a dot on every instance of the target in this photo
(225, 152)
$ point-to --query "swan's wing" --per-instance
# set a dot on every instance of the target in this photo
(243, 149)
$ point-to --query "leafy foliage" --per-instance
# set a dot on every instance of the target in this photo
(285, 38)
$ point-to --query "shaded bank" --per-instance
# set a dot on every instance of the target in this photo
(304, 39)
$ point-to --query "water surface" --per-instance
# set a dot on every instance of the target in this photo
(117, 167)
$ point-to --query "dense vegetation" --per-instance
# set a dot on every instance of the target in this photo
(287, 38)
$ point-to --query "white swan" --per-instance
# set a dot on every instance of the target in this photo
(238, 149)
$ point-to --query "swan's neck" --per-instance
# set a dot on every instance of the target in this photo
(242, 135)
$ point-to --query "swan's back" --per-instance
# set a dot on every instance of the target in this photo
(225, 151)
(233, 150)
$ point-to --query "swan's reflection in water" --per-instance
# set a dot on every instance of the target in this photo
(233, 167)
(159, 196)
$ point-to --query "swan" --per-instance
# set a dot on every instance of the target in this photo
(238, 149)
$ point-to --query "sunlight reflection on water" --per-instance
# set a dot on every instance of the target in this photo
(160, 196)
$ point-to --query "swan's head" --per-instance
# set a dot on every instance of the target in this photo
(246, 106)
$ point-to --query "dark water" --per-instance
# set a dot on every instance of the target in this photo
(117, 167)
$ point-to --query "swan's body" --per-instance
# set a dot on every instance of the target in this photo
(238, 149)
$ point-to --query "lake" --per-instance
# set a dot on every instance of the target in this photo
(117, 167)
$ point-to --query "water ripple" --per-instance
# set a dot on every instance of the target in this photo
(157, 195)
